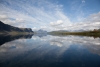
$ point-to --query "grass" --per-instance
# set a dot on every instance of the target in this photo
(84, 33)
(15, 33)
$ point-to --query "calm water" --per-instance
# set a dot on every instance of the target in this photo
(49, 51)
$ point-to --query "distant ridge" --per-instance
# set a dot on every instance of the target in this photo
(5, 28)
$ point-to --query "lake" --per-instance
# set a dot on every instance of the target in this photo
(49, 51)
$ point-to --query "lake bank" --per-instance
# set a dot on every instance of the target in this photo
(84, 33)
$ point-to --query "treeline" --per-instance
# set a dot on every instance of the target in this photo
(94, 33)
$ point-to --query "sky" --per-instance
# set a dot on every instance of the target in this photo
(51, 14)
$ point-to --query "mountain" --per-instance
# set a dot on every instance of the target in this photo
(41, 32)
(58, 32)
(5, 28)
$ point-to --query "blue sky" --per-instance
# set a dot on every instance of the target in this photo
(51, 14)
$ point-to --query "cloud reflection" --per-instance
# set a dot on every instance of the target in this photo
(48, 45)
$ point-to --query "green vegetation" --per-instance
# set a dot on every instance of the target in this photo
(15, 33)
(94, 33)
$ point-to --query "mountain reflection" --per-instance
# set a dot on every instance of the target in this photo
(41, 48)
(7, 38)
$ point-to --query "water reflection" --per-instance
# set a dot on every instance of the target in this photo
(7, 38)
(51, 51)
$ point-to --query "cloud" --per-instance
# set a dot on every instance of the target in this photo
(35, 13)
(90, 23)
(43, 27)
(34, 28)
(59, 22)
(93, 17)
(83, 1)
(77, 8)
(19, 20)
(46, 15)
(3, 17)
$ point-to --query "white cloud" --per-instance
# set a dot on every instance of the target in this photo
(33, 14)
(59, 22)
(19, 20)
(93, 17)
(34, 28)
(43, 27)
(50, 17)
(3, 17)
(90, 23)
